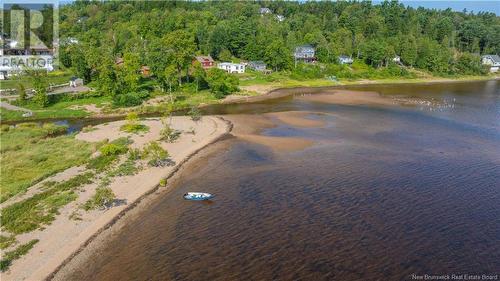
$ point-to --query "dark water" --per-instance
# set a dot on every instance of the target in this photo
(385, 192)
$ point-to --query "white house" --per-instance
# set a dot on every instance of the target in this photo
(343, 59)
(232, 67)
(396, 59)
(493, 61)
(264, 11)
(305, 53)
(280, 18)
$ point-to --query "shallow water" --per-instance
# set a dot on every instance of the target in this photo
(384, 192)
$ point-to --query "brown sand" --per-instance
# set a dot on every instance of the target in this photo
(248, 127)
(349, 98)
(298, 119)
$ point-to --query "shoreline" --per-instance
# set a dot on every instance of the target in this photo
(270, 92)
(145, 198)
(75, 239)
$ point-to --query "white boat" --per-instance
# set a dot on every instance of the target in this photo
(198, 196)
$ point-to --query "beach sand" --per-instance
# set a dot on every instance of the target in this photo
(64, 238)
(348, 97)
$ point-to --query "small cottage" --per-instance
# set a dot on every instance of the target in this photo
(264, 11)
(493, 61)
(305, 53)
(343, 59)
(232, 67)
(206, 61)
(257, 65)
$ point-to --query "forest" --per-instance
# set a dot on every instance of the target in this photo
(166, 35)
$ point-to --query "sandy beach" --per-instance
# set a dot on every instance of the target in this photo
(65, 237)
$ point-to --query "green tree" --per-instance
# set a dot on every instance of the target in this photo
(409, 51)
(181, 47)
(39, 80)
(198, 74)
(21, 91)
(225, 55)
(221, 83)
(277, 56)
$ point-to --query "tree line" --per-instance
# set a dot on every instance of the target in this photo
(166, 35)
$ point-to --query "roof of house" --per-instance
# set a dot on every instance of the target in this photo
(494, 58)
(204, 58)
(230, 63)
(265, 11)
(258, 62)
(303, 48)
(344, 57)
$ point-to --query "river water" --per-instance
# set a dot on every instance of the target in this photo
(383, 192)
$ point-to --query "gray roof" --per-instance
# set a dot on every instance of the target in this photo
(344, 57)
(304, 48)
(257, 62)
(494, 58)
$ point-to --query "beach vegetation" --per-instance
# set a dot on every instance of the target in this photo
(133, 125)
(40, 209)
(168, 133)
(195, 114)
(102, 198)
(10, 256)
(39, 152)
(6, 241)
(156, 155)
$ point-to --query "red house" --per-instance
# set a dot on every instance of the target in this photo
(206, 61)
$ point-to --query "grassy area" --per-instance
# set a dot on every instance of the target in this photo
(41, 209)
(55, 77)
(20, 251)
(62, 109)
(31, 153)
(6, 241)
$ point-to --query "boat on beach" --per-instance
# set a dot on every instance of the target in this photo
(198, 196)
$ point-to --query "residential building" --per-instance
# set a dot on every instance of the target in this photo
(232, 67)
(343, 59)
(305, 53)
(493, 61)
(206, 61)
(257, 65)
(264, 11)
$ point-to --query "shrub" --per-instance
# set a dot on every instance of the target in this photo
(103, 197)
(168, 134)
(113, 149)
(52, 130)
(221, 83)
(130, 99)
(163, 182)
(126, 100)
(157, 156)
(132, 125)
(195, 114)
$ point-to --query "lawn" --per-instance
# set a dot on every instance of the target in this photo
(30, 153)
(55, 77)
(60, 109)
